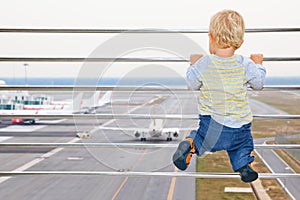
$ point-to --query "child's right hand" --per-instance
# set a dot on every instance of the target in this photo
(257, 58)
(194, 58)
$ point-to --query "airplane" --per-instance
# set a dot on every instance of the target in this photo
(68, 109)
(75, 107)
(155, 130)
(93, 102)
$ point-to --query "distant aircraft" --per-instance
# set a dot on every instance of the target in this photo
(71, 107)
(155, 130)
(86, 106)
(92, 104)
(68, 109)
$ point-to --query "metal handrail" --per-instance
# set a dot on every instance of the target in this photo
(122, 88)
(87, 30)
(126, 145)
(123, 116)
(143, 174)
(108, 59)
(130, 116)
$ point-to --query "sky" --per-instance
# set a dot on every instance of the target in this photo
(137, 14)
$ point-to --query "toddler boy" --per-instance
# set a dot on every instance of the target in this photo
(222, 79)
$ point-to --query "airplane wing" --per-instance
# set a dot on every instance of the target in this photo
(165, 130)
(177, 129)
(142, 132)
(123, 129)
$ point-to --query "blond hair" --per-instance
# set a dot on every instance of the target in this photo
(227, 28)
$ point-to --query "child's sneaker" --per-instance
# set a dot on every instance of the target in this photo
(183, 154)
(248, 174)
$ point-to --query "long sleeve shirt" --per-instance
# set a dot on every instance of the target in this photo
(222, 85)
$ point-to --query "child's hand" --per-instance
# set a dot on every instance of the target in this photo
(194, 58)
(257, 58)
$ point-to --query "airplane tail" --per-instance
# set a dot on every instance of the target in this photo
(92, 101)
(156, 124)
(105, 99)
(77, 103)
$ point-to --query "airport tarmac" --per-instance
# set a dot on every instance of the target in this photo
(102, 159)
(98, 159)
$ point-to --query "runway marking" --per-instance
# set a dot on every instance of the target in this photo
(135, 164)
(75, 158)
(238, 189)
(126, 178)
(21, 128)
(173, 181)
(37, 160)
(272, 171)
(172, 186)
(4, 138)
(51, 121)
(287, 166)
(120, 188)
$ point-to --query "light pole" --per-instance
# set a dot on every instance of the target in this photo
(25, 66)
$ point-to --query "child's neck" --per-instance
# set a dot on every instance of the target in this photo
(224, 53)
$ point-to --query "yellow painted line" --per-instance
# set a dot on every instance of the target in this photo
(135, 164)
(172, 186)
(126, 178)
(120, 188)
(173, 181)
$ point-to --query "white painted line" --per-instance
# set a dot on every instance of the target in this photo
(75, 158)
(265, 162)
(51, 121)
(37, 160)
(21, 128)
(279, 181)
(238, 189)
(4, 138)
(287, 166)
(54, 151)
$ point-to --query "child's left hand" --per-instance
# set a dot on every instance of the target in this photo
(257, 58)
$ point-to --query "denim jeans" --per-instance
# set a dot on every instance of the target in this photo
(212, 136)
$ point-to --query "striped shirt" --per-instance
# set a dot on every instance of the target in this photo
(223, 84)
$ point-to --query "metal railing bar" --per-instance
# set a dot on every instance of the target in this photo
(107, 59)
(126, 116)
(126, 145)
(142, 174)
(89, 88)
(276, 116)
(67, 88)
(87, 30)
(281, 87)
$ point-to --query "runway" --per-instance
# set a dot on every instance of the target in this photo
(274, 163)
(102, 159)
(98, 159)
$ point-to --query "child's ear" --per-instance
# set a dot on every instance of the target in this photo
(211, 38)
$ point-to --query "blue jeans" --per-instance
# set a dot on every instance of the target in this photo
(213, 136)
